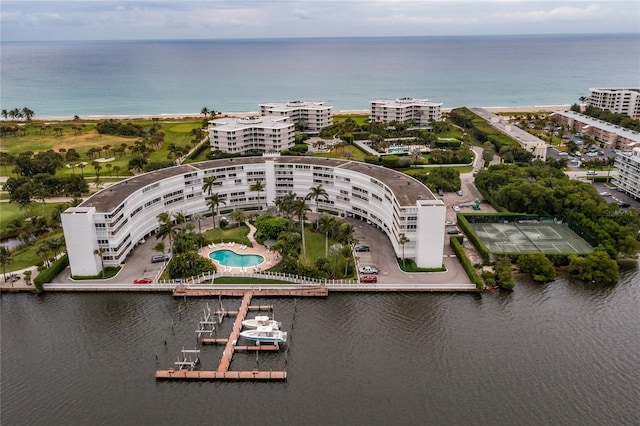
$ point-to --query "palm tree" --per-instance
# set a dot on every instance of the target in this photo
(238, 216)
(43, 250)
(208, 184)
(166, 228)
(257, 186)
(99, 252)
(325, 224)
(214, 201)
(300, 209)
(205, 112)
(5, 259)
(346, 253)
(403, 240)
(160, 247)
(27, 113)
(335, 250)
(317, 192)
(117, 170)
(284, 203)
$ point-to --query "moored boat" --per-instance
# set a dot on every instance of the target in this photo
(262, 321)
(265, 334)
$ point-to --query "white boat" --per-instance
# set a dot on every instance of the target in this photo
(265, 335)
(262, 321)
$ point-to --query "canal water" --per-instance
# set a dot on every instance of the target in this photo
(564, 353)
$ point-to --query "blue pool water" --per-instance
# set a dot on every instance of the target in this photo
(229, 258)
(398, 149)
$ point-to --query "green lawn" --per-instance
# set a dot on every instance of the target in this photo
(360, 119)
(236, 234)
(176, 132)
(341, 150)
(10, 212)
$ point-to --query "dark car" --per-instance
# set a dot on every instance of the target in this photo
(362, 248)
(159, 258)
(453, 232)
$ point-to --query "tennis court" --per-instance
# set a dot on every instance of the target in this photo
(530, 237)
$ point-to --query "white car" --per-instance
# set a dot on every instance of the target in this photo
(368, 270)
(456, 208)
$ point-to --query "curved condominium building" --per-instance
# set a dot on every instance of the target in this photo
(119, 217)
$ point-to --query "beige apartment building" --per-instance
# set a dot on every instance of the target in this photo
(421, 111)
(619, 100)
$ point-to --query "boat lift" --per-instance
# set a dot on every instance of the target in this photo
(187, 362)
(207, 325)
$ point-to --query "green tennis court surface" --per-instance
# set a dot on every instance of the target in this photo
(530, 237)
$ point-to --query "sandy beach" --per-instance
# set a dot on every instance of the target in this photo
(519, 109)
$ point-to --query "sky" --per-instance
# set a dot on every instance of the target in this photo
(27, 20)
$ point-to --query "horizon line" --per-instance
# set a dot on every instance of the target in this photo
(332, 37)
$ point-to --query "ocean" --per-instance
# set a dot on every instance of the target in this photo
(181, 77)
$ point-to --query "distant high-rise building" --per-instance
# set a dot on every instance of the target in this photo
(312, 116)
(420, 111)
(628, 166)
(244, 135)
(619, 100)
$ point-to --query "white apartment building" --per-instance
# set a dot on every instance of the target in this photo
(314, 116)
(620, 100)
(628, 177)
(405, 109)
(119, 217)
(613, 136)
(243, 135)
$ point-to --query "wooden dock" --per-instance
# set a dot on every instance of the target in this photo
(223, 372)
(216, 375)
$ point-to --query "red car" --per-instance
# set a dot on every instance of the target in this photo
(143, 281)
(368, 279)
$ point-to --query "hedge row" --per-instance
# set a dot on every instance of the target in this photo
(473, 237)
(456, 244)
(50, 273)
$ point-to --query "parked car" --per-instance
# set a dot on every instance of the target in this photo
(143, 281)
(453, 232)
(362, 248)
(368, 279)
(159, 258)
(456, 208)
(368, 270)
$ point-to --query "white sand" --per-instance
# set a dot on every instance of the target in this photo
(521, 109)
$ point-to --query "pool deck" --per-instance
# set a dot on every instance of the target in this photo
(270, 257)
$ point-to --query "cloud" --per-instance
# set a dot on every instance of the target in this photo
(562, 13)
(301, 14)
(180, 19)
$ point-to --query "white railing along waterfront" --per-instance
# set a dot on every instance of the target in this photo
(209, 278)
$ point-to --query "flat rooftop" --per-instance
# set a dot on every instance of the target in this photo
(406, 189)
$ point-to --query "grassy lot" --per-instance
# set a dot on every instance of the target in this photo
(25, 257)
(341, 150)
(360, 119)
(11, 212)
(237, 234)
(176, 132)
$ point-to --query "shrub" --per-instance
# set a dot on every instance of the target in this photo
(50, 273)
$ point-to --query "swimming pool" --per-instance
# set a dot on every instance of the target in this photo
(229, 258)
(398, 150)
